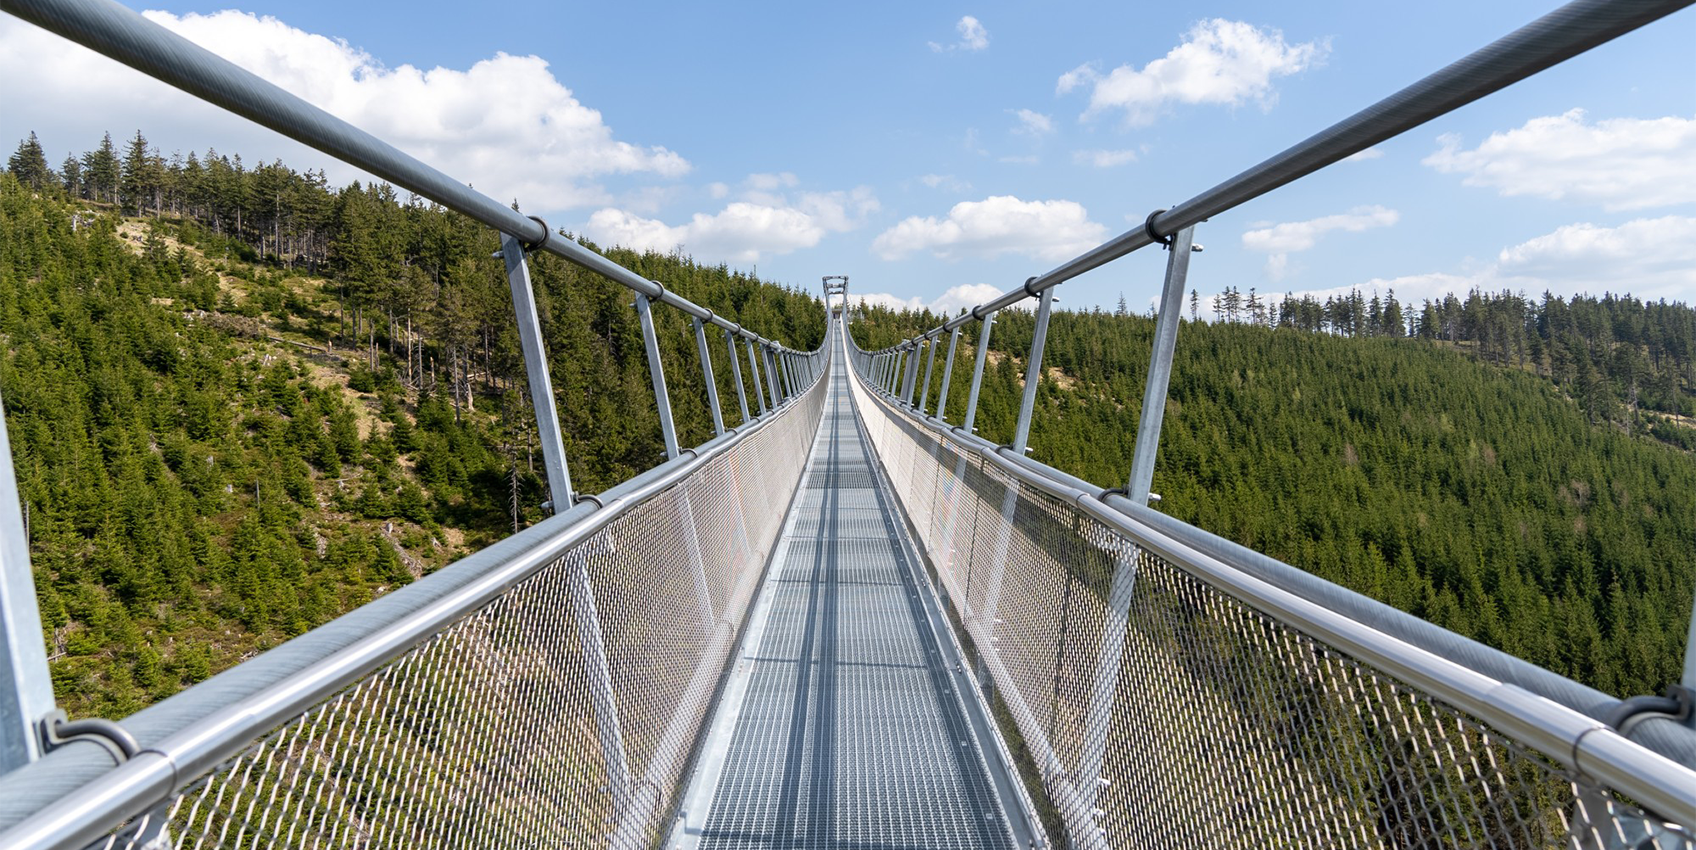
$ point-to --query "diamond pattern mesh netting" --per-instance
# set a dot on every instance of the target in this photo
(490, 733)
(1215, 724)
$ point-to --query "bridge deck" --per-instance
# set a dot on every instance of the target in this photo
(841, 725)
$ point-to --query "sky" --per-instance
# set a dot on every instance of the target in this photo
(941, 153)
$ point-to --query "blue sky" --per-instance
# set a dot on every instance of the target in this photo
(938, 153)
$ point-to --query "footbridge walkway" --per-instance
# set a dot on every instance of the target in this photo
(847, 621)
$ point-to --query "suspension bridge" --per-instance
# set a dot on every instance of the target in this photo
(846, 621)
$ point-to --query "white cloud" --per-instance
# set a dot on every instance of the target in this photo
(1220, 62)
(718, 190)
(1362, 156)
(1001, 224)
(973, 37)
(759, 223)
(1027, 159)
(962, 297)
(945, 182)
(1281, 240)
(1651, 258)
(1032, 123)
(1619, 163)
(1103, 158)
(535, 141)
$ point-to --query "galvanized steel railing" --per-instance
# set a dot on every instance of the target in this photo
(1263, 702)
(549, 689)
(1169, 695)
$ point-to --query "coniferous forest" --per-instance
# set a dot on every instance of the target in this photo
(1518, 471)
(241, 402)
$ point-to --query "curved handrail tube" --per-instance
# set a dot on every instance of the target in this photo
(1560, 35)
(1656, 765)
(76, 794)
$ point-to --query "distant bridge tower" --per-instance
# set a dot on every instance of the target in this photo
(835, 289)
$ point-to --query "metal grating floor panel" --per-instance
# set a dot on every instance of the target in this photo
(849, 733)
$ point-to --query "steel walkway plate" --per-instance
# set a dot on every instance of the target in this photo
(841, 727)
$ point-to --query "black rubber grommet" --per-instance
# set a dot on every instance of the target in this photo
(1028, 291)
(1148, 228)
(547, 233)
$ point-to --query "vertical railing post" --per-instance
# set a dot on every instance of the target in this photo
(26, 686)
(1098, 718)
(771, 377)
(1160, 367)
(947, 376)
(736, 369)
(930, 364)
(656, 371)
(912, 378)
(977, 373)
(536, 374)
(712, 383)
(1033, 371)
(581, 592)
(754, 370)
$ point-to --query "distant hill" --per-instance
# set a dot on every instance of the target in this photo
(243, 406)
(1519, 472)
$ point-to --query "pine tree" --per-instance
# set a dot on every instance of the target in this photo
(103, 171)
(29, 164)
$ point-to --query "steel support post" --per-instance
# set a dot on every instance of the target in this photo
(930, 366)
(912, 380)
(707, 371)
(947, 376)
(1033, 371)
(736, 370)
(754, 370)
(1160, 367)
(771, 378)
(1112, 646)
(26, 687)
(536, 374)
(608, 729)
(977, 373)
(656, 370)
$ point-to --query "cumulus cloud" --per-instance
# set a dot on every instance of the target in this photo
(1651, 258)
(534, 141)
(1278, 241)
(1001, 224)
(957, 298)
(1220, 62)
(973, 37)
(1619, 163)
(1032, 123)
(760, 222)
(1103, 158)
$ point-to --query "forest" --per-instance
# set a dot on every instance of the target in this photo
(1518, 471)
(241, 402)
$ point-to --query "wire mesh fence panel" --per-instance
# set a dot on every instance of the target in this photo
(490, 733)
(1210, 723)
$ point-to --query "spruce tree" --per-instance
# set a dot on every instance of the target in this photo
(29, 164)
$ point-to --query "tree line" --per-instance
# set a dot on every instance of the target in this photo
(1460, 487)
(221, 444)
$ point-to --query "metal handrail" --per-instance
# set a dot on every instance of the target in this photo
(191, 733)
(1571, 736)
(1547, 41)
(124, 35)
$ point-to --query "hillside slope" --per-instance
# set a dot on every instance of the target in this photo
(216, 457)
(1482, 498)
